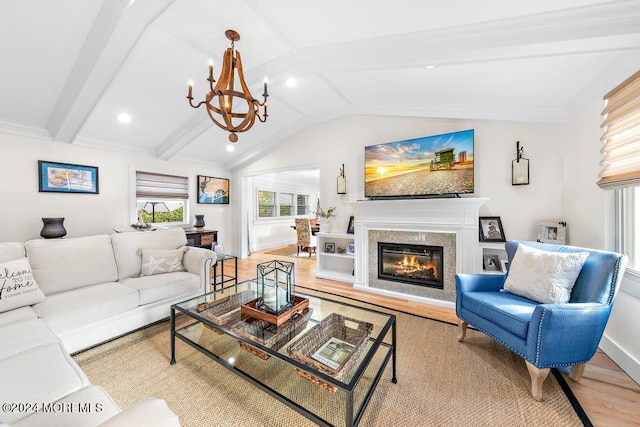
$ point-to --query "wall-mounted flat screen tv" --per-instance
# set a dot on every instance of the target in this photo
(435, 165)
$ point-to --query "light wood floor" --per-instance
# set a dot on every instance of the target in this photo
(608, 395)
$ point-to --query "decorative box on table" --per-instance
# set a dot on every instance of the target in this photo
(225, 310)
(333, 346)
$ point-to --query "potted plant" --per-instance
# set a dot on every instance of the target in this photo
(325, 218)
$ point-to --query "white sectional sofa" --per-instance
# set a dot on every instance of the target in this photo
(88, 290)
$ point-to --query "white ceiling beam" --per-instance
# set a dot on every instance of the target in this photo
(186, 133)
(555, 33)
(116, 31)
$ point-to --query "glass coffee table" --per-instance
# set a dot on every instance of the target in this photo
(325, 362)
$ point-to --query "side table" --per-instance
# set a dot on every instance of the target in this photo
(222, 278)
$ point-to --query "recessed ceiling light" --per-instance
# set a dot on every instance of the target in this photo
(430, 67)
(291, 82)
(230, 148)
(124, 118)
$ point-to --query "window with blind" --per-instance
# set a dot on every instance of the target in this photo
(274, 204)
(266, 204)
(302, 204)
(286, 204)
(621, 136)
(621, 163)
(162, 198)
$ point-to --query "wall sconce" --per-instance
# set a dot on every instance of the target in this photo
(519, 168)
(342, 182)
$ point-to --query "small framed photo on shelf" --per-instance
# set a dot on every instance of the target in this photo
(491, 229)
(492, 263)
(329, 247)
(351, 249)
(67, 178)
(504, 264)
(350, 227)
(552, 232)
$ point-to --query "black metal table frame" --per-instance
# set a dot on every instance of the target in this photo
(349, 388)
(221, 260)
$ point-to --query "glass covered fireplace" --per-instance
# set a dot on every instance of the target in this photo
(409, 263)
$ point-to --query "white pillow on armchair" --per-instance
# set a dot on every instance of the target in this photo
(543, 276)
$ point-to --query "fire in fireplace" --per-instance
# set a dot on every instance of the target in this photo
(408, 263)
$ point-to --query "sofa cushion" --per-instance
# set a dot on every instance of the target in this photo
(88, 406)
(17, 315)
(159, 261)
(84, 305)
(39, 375)
(18, 288)
(11, 250)
(127, 245)
(163, 286)
(22, 336)
(63, 264)
(511, 312)
(543, 276)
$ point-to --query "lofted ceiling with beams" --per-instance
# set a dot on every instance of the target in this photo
(69, 67)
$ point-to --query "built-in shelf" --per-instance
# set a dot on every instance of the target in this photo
(332, 262)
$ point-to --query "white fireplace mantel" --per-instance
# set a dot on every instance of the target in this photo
(458, 216)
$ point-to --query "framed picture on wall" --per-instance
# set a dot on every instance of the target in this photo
(213, 191)
(67, 178)
(491, 229)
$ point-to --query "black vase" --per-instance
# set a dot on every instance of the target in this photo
(53, 227)
(199, 222)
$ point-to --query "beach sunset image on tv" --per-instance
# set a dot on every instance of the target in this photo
(431, 165)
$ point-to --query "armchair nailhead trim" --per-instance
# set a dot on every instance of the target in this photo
(544, 312)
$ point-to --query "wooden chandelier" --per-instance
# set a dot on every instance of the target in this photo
(220, 99)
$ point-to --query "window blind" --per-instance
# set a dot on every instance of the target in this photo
(621, 136)
(160, 186)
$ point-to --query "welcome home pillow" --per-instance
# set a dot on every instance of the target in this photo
(18, 288)
(545, 277)
(158, 261)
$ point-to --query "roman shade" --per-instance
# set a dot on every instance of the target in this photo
(161, 186)
(621, 136)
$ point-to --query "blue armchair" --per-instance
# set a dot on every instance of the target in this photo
(545, 335)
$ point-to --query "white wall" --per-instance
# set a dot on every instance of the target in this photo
(342, 141)
(23, 206)
(589, 211)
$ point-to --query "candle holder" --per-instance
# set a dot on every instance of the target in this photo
(519, 168)
(276, 302)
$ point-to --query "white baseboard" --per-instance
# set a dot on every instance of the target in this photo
(265, 246)
(425, 300)
(623, 359)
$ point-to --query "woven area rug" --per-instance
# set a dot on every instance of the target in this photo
(441, 382)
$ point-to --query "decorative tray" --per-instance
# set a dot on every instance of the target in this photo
(250, 309)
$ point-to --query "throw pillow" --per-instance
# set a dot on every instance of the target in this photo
(158, 261)
(542, 276)
(18, 288)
